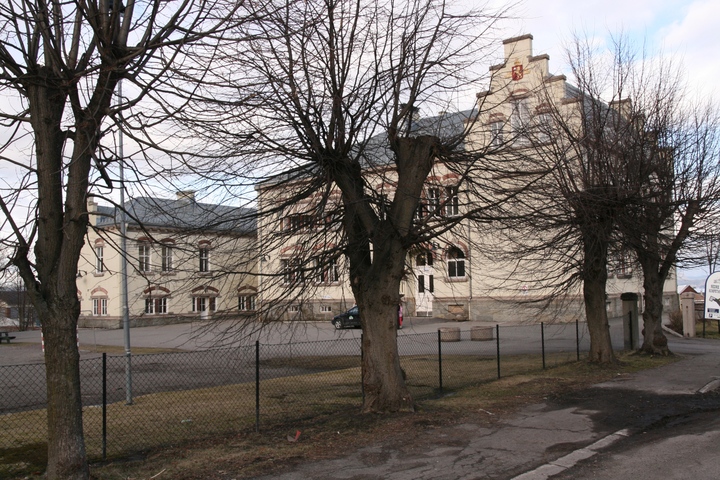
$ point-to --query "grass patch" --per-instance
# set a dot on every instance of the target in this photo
(202, 433)
(711, 329)
(118, 350)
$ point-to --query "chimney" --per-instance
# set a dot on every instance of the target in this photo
(186, 196)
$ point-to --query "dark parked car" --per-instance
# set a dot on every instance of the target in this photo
(351, 319)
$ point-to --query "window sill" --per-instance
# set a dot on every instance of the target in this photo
(457, 279)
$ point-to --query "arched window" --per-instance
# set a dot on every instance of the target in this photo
(456, 263)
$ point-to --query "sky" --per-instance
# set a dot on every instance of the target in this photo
(683, 29)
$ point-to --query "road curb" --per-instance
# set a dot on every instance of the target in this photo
(573, 458)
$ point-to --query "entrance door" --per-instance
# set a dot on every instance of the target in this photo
(425, 275)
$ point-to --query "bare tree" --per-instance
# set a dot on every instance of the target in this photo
(630, 166)
(60, 63)
(326, 92)
(674, 159)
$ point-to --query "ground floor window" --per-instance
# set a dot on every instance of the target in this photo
(456, 263)
(100, 306)
(246, 303)
(203, 304)
(156, 306)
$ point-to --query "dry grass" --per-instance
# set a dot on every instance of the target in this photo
(711, 329)
(191, 433)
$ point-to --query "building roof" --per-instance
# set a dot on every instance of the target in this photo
(181, 214)
(377, 153)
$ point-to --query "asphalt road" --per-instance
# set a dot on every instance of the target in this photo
(204, 355)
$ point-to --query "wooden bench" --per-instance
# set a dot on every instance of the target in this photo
(5, 336)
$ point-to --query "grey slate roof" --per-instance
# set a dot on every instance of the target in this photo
(182, 214)
(377, 152)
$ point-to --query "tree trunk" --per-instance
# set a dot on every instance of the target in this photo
(378, 299)
(654, 340)
(594, 284)
(66, 446)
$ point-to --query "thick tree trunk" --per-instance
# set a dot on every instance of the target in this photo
(378, 299)
(654, 340)
(594, 284)
(66, 446)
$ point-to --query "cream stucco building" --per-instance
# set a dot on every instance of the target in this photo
(185, 260)
(453, 276)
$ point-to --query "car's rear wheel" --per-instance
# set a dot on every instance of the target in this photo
(338, 324)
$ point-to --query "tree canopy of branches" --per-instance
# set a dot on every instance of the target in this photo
(325, 92)
(60, 63)
(627, 164)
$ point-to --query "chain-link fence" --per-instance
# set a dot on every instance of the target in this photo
(175, 397)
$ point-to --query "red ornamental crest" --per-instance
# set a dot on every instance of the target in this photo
(517, 72)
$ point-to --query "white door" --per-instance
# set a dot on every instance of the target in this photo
(425, 284)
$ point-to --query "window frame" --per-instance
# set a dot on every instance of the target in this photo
(456, 264)
(144, 257)
(99, 259)
(166, 258)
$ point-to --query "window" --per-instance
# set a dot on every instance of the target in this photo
(456, 263)
(294, 308)
(496, 130)
(325, 309)
(246, 303)
(99, 265)
(156, 306)
(203, 304)
(623, 269)
(543, 124)
(430, 287)
(424, 258)
(204, 259)
(144, 258)
(433, 205)
(519, 120)
(328, 272)
(166, 259)
(291, 271)
(452, 202)
(99, 306)
(298, 222)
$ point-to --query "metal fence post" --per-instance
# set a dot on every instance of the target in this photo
(257, 385)
(577, 337)
(362, 369)
(497, 342)
(440, 360)
(542, 341)
(632, 340)
(104, 406)
(704, 327)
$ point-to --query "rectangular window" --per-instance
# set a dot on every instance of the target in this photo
(246, 303)
(294, 308)
(291, 271)
(421, 283)
(167, 258)
(496, 130)
(199, 304)
(433, 205)
(543, 124)
(144, 258)
(327, 273)
(452, 203)
(204, 259)
(99, 264)
(99, 306)
(149, 306)
(519, 121)
(325, 308)
(156, 306)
